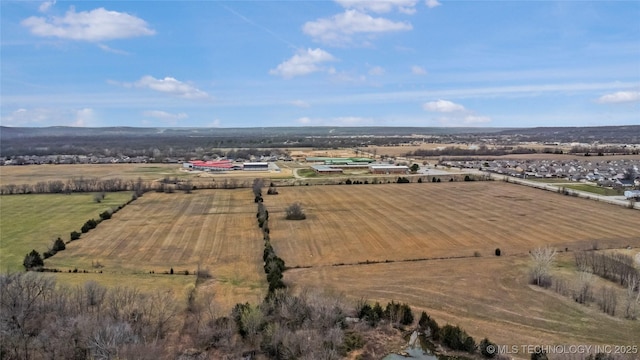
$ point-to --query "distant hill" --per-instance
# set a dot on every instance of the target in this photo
(588, 134)
(135, 141)
(17, 132)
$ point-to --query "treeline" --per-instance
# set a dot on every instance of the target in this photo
(610, 299)
(482, 150)
(604, 150)
(273, 264)
(77, 185)
(615, 267)
(83, 185)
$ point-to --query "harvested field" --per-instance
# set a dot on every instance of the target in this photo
(393, 222)
(31, 174)
(213, 229)
(487, 296)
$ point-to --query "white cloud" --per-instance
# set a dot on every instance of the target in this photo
(376, 70)
(300, 103)
(475, 119)
(432, 3)
(83, 117)
(49, 116)
(112, 50)
(457, 115)
(418, 70)
(620, 97)
(45, 6)
(468, 120)
(336, 121)
(303, 63)
(380, 6)
(163, 115)
(340, 29)
(443, 106)
(95, 25)
(169, 85)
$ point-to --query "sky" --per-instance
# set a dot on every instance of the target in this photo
(431, 63)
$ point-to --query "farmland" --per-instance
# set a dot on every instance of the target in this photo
(128, 172)
(390, 226)
(212, 230)
(32, 174)
(430, 245)
(34, 221)
(359, 223)
(487, 296)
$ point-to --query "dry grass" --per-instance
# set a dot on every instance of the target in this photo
(487, 296)
(356, 223)
(214, 229)
(31, 174)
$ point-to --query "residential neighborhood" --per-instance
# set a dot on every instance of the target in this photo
(616, 173)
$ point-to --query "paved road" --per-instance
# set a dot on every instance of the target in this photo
(556, 187)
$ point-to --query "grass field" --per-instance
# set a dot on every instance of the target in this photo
(213, 229)
(34, 221)
(548, 180)
(595, 189)
(356, 223)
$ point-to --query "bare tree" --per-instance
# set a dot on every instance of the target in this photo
(632, 297)
(608, 300)
(583, 292)
(160, 311)
(543, 259)
(23, 300)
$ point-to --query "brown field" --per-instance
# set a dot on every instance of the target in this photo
(487, 295)
(213, 229)
(31, 174)
(356, 223)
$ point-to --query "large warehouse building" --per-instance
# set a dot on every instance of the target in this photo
(388, 169)
(221, 165)
(255, 166)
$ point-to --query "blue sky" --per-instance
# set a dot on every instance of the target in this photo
(320, 63)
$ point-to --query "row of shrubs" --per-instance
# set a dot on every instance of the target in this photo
(273, 264)
(34, 261)
(400, 180)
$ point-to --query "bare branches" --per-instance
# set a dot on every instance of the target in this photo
(543, 259)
